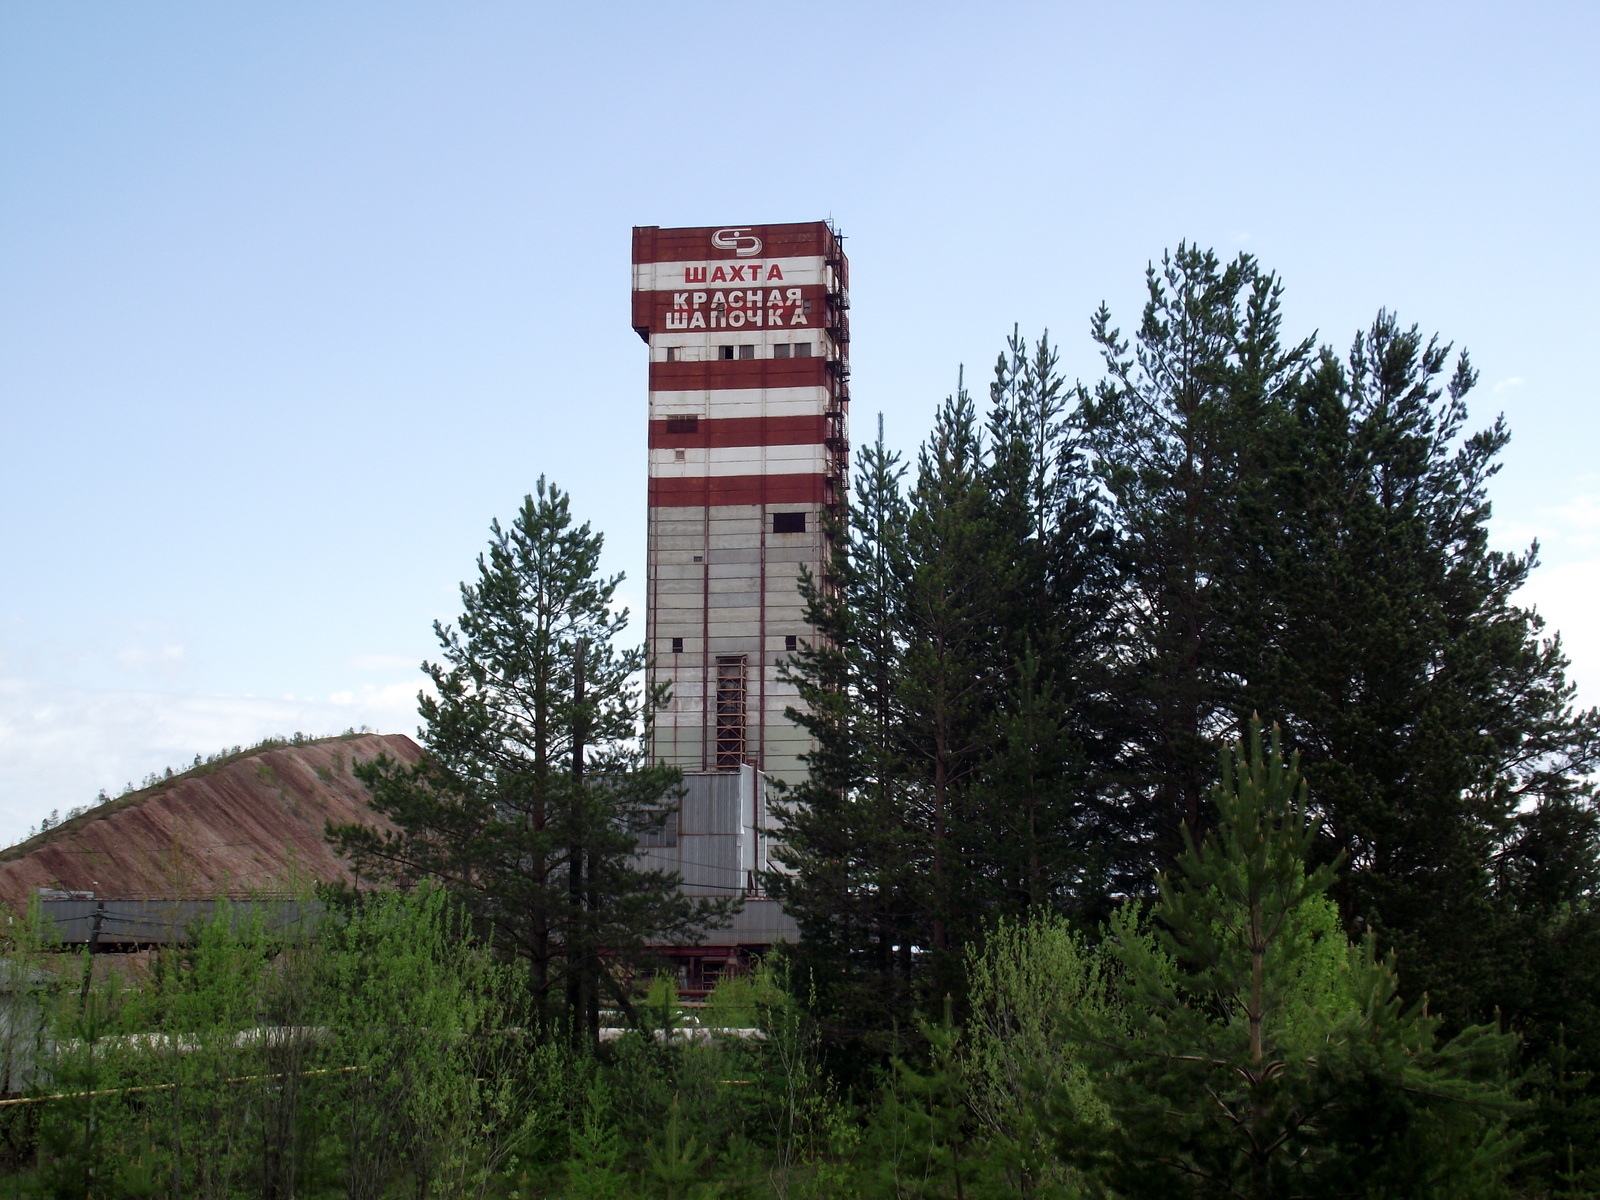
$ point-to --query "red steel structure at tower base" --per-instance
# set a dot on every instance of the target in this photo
(748, 330)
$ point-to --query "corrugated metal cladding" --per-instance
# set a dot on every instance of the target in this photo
(719, 843)
(748, 329)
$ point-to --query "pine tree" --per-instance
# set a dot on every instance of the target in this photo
(1180, 428)
(1436, 719)
(1257, 1053)
(1307, 537)
(532, 791)
(1434, 711)
(923, 1141)
(1088, 596)
(1552, 998)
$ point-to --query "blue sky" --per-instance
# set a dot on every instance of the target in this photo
(294, 298)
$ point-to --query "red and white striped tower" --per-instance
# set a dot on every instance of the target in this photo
(748, 332)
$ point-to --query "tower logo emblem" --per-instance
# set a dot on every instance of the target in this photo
(740, 240)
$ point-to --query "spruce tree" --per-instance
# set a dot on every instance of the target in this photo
(1057, 837)
(852, 871)
(952, 675)
(532, 791)
(955, 692)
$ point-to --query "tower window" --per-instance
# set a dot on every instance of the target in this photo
(724, 351)
(790, 642)
(683, 424)
(679, 456)
(677, 645)
(672, 354)
(747, 351)
(781, 350)
(802, 349)
(789, 522)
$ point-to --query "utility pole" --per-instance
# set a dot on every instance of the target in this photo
(578, 952)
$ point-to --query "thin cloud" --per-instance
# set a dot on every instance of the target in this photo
(399, 700)
(1580, 514)
(1564, 596)
(59, 746)
(382, 662)
(1506, 385)
(148, 660)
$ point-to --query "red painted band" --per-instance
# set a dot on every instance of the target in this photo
(652, 244)
(725, 373)
(716, 432)
(713, 490)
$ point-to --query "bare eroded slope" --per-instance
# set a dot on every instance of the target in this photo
(250, 823)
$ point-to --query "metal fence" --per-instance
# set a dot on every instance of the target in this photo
(105, 925)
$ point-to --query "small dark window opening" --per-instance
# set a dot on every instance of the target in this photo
(805, 306)
(789, 522)
(747, 351)
(672, 354)
(677, 645)
(790, 642)
(683, 424)
(724, 351)
(652, 834)
(781, 350)
(802, 349)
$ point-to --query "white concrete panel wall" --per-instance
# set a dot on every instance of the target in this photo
(740, 402)
(698, 462)
(714, 606)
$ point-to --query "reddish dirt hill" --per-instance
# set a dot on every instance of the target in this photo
(253, 822)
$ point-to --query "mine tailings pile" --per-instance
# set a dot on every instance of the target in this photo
(249, 823)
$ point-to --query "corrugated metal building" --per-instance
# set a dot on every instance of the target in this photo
(748, 331)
